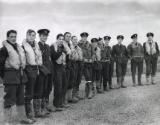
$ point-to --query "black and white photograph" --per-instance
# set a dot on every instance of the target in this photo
(79, 62)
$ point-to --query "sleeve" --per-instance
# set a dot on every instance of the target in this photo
(3, 57)
(126, 52)
(54, 55)
(144, 49)
(129, 51)
(157, 48)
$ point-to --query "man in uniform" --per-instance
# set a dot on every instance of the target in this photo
(151, 53)
(76, 57)
(119, 53)
(96, 67)
(87, 58)
(69, 70)
(136, 54)
(59, 51)
(33, 89)
(47, 78)
(107, 64)
(12, 64)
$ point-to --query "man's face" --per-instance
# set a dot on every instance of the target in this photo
(74, 41)
(106, 42)
(135, 40)
(12, 37)
(150, 38)
(43, 37)
(94, 44)
(68, 37)
(84, 38)
(60, 39)
(31, 37)
(101, 41)
(120, 40)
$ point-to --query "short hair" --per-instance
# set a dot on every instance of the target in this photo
(73, 37)
(11, 31)
(59, 35)
(66, 33)
(30, 31)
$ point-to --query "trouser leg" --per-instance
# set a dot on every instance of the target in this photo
(29, 92)
(140, 71)
(154, 69)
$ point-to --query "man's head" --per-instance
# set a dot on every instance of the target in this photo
(31, 35)
(43, 34)
(106, 39)
(12, 36)
(150, 36)
(67, 36)
(120, 39)
(100, 40)
(134, 37)
(60, 38)
(94, 42)
(84, 36)
(74, 40)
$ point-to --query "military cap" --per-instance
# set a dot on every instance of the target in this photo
(93, 40)
(107, 37)
(120, 37)
(43, 31)
(134, 36)
(84, 34)
(150, 34)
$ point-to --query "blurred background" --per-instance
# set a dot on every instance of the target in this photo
(98, 17)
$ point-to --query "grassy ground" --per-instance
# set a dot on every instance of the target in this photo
(130, 106)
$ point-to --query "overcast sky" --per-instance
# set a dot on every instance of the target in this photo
(98, 17)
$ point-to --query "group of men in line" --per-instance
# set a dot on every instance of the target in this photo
(30, 71)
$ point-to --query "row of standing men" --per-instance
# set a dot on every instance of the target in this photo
(30, 70)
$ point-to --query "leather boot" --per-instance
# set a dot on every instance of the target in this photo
(44, 110)
(118, 82)
(29, 111)
(37, 108)
(87, 89)
(70, 97)
(22, 117)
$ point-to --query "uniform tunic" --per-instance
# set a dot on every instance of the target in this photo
(136, 54)
(119, 53)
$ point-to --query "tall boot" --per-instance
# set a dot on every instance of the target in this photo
(22, 117)
(153, 80)
(110, 84)
(90, 93)
(7, 114)
(122, 82)
(37, 108)
(70, 97)
(44, 110)
(29, 111)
